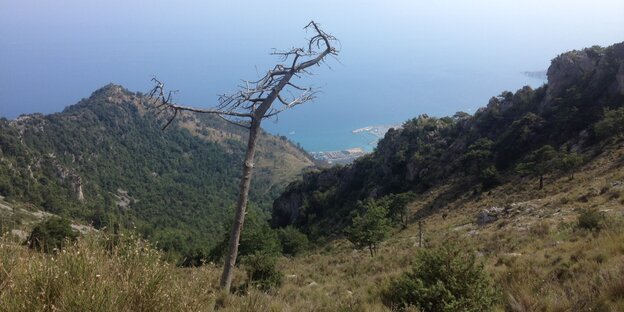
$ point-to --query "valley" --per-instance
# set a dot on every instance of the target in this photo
(126, 201)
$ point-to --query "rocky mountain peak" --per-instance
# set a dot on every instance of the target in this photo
(569, 67)
(595, 67)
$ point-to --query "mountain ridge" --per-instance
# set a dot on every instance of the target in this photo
(105, 160)
(470, 152)
(529, 190)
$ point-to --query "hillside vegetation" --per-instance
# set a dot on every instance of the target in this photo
(537, 255)
(517, 137)
(106, 162)
(517, 208)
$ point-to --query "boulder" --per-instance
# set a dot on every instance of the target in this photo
(488, 215)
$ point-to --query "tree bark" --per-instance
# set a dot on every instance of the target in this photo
(250, 102)
(404, 218)
(420, 233)
(243, 197)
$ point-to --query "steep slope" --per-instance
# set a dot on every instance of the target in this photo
(532, 245)
(106, 161)
(536, 246)
(546, 131)
(534, 250)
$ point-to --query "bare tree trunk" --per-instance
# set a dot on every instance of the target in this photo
(420, 233)
(541, 182)
(404, 219)
(254, 101)
(243, 197)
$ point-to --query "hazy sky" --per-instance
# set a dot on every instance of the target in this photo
(398, 58)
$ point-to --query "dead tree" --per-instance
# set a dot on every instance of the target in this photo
(252, 103)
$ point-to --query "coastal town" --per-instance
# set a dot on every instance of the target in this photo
(347, 156)
(339, 157)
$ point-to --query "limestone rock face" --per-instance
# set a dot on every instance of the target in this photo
(488, 215)
(566, 69)
(616, 56)
(594, 69)
(620, 80)
(78, 190)
(286, 209)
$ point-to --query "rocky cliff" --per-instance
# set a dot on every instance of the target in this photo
(471, 152)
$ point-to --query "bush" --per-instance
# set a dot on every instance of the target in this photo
(257, 236)
(370, 227)
(591, 219)
(51, 234)
(261, 271)
(442, 279)
(611, 124)
(293, 241)
(489, 177)
(398, 206)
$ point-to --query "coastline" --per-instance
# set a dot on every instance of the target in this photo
(348, 155)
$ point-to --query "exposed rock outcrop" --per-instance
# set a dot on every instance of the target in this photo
(595, 67)
(488, 215)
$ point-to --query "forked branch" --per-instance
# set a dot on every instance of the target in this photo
(253, 99)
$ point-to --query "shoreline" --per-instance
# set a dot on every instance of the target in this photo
(348, 155)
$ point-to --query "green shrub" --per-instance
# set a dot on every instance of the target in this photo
(442, 279)
(489, 177)
(51, 234)
(293, 241)
(261, 271)
(611, 124)
(370, 227)
(398, 207)
(591, 219)
(257, 236)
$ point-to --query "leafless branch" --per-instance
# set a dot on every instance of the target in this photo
(253, 99)
(236, 123)
(175, 114)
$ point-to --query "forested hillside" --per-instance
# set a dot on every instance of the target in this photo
(519, 207)
(521, 137)
(105, 161)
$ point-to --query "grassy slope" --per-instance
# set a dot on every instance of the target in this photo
(535, 253)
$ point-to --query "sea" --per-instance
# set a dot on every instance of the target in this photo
(326, 126)
(337, 137)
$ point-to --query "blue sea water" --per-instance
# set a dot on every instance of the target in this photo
(333, 139)
(326, 126)
(396, 59)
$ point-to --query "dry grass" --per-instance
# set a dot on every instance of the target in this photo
(536, 252)
(538, 256)
(87, 277)
(133, 277)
